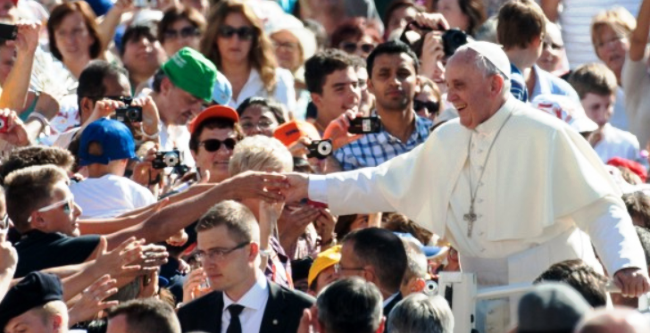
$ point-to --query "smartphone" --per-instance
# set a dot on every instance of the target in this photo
(8, 31)
(365, 125)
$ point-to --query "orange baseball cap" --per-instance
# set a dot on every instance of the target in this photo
(291, 131)
(217, 111)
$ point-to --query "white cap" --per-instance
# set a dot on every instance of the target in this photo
(566, 109)
(494, 53)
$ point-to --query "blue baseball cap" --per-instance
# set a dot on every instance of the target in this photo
(429, 251)
(222, 92)
(114, 137)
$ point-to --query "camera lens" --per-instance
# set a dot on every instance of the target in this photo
(171, 159)
(325, 148)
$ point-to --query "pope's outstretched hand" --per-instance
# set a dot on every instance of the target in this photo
(298, 186)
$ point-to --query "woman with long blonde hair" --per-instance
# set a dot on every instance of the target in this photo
(237, 44)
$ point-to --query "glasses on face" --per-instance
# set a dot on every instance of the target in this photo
(262, 124)
(289, 46)
(66, 205)
(610, 41)
(432, 107)
(218, 254)
(213, 145)
(340, 269)
(183, 33)
(351, 47)
(244, 33)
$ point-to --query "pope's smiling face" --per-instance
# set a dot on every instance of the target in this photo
(471, 92)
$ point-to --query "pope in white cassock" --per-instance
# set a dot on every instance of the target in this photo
(511, 188)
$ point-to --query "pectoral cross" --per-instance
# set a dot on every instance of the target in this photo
(470, 218)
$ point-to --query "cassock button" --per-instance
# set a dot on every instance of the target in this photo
(275, 321)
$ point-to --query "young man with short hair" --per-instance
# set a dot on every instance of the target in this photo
(596, 86)
(148, 315)
(105, 150)
(393, 78)
(243, 299)
(521, 28)
(350, 305)
(331, 78)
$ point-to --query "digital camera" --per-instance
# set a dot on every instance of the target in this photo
(129, 114)
(365, 125)
(414, 33)
(166, 159)
(320, 149)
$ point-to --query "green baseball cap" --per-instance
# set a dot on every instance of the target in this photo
(189, 70)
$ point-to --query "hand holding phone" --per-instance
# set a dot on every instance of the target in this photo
(365, 125)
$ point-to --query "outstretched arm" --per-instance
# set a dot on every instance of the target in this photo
(639, 37)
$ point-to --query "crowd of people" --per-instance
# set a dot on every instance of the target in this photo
(316, 166)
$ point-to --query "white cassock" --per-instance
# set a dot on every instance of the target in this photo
(542, 185)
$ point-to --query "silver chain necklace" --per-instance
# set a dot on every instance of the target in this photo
(471, 217)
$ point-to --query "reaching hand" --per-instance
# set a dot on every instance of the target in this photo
(298, 186)
(257, 185)
(632, 281)
(15, 133)
(309, 321)
(116, 262)
(103, 109)
(325, 225)
(179, 239)
(92, 300)
(27, 39)
(337, 130)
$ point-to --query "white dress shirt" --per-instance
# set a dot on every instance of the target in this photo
(254, 303)
(617, 143)
(284, 92)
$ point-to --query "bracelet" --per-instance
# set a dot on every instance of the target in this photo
(41, 119)
(265, 253)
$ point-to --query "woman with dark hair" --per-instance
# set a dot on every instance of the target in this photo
(180, 26)
(466, 15)
(356, 36)
(237, 44)
(258, 115)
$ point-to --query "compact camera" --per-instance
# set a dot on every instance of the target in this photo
(414, 33)
(129, 114)
(365, 125)
(4, 126)
(320, 149)
(430, 288)
(166, 159)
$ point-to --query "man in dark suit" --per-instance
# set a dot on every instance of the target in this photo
(378, 256)
(243, 300)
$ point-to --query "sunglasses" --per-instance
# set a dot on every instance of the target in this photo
(421, 105)
(66, 204)
(351, 47)
(213, 145)
(244, 33)
(184, 33)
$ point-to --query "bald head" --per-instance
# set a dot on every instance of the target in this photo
(618, 320)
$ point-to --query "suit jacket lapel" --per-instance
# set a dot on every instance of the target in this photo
(272, 322)
(215, 312)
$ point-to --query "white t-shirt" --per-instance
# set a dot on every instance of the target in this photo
(284, 92)
(110, 196)
(617, 143)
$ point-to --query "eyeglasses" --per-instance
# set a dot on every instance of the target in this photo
(262, 124)
(218, 254)
(183, 33)
(351, 47)
(289, 46)
(339, 269)
(213, 145)
(244, 33)
(433, 107)
(67, 204)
